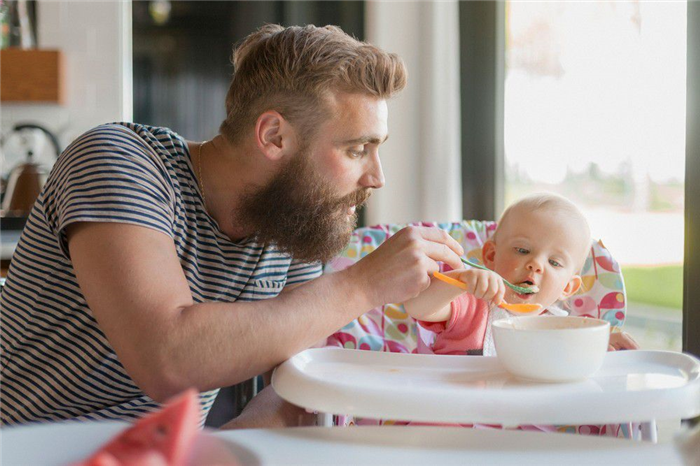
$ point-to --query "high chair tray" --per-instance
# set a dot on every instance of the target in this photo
(631, 386)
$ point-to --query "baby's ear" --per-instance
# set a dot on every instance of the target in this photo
(571, 287)
(488, 254)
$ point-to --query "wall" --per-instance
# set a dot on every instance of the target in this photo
(95, 38)
(421, 159)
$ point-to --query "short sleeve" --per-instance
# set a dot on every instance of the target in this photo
(301, 272)
(466, 328)
(108, 174)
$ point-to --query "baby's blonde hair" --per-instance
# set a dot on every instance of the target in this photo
(541, 201)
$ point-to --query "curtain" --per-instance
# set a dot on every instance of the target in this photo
(421, 159)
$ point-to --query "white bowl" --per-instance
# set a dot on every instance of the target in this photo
(551, 348)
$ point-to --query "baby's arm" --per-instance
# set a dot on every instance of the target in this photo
(433, 305)
(622, 341)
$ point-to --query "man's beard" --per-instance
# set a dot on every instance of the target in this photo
(299, 212)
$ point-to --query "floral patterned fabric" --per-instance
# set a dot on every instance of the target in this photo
(390, 328)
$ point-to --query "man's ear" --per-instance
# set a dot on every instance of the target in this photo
(571, 287)
(274, 135)
(488, 254)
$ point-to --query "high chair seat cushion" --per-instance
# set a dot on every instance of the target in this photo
(389, 328)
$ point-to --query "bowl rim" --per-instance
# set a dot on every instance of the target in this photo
(506, 324)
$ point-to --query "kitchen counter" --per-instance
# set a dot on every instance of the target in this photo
(8, 243)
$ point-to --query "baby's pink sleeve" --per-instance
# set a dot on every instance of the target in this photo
(464, 330)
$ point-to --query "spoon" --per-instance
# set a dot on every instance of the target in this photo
(525, 308)
(519, 289)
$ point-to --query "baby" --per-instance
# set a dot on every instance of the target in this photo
(541, 243)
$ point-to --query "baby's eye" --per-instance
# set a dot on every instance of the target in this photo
(554, 263)
(522, 251)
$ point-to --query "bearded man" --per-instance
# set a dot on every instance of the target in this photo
(151, 264)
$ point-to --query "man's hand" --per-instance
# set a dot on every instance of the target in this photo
(622, 341)
(483, 284)
(401, 267)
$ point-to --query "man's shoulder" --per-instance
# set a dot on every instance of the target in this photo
(142, 129)
(131, 140)
(153, 136)
(115, 150)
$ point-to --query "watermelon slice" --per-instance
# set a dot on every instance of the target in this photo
(143, 458)
(162, 438)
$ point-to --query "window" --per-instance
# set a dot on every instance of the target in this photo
(594, 109)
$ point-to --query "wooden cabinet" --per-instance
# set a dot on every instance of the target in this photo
(32, 75)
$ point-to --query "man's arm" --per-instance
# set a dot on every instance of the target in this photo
(134, 285)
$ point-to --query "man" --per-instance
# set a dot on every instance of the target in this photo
(151, 264)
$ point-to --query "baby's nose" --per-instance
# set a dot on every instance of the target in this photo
(534, 266)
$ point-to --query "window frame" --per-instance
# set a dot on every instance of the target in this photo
(482, 56)
(691, 266)
(482, 76)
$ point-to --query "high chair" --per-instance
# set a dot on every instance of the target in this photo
(390, 329)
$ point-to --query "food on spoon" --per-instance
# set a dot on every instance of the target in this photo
(529, 285)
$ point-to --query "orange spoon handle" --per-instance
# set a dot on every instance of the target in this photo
(450, 280)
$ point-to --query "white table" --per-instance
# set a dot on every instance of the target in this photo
(631, 386)
(443, 445)
(68, 442)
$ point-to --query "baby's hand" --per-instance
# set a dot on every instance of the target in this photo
(622, 341)
(483, 284)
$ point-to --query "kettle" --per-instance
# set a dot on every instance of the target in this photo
(27, 179)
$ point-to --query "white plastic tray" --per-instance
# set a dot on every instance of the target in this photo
(631, 386)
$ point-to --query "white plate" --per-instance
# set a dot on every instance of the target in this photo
(55, 443)
(65, 443)
(631, 386)
(440, 445)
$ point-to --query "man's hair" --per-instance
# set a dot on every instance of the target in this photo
(540, 201)
(291, 70)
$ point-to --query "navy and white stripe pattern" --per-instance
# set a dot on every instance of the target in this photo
(55, 362)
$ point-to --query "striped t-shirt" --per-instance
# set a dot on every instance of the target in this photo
(56, 363)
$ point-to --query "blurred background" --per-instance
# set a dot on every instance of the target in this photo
(595, 97)
(593, 108)
(586, 99)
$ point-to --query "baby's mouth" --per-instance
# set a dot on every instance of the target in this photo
(528, 284)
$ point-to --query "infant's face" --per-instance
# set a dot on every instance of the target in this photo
(540, 248)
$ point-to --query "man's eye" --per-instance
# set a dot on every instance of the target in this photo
(554, 263)
(522, 250)
(357, 152)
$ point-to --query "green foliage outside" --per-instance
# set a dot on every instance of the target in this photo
(595, 188)
(659, 286)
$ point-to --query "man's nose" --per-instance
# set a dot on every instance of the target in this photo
(374, 175)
